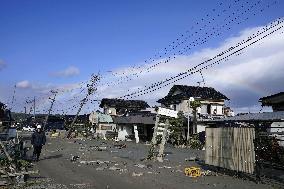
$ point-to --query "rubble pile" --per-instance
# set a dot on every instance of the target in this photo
(13, 167)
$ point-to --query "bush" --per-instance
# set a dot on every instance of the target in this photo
(195, 143)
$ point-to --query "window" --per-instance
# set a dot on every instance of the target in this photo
(140, 129)
(209, 109)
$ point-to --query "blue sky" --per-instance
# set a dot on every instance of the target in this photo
(41, 40)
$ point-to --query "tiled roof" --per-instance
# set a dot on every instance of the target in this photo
(272, 99)
(120, 103)
(192, 91)
(251, 117)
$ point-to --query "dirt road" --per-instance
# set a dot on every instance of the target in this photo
(115, 168)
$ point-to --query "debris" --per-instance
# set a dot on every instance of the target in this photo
(19, 174)
(54, 135)
(192, 158)
(119, 146)
(100, 168)
(165, 167)
(98, 148)
(208, 173)
(3, 183)
(192, 172)
(137, 174)
(102, 148)
(149, 166)
(113, 168)
(177, 171)
(82, 149)
(88, 162)
(140, 166)
(74, 158)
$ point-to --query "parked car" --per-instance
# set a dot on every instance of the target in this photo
(28, 128)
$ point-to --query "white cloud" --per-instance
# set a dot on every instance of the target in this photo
(68, 72)
(24, 84)
(257, 72)
(2, 65)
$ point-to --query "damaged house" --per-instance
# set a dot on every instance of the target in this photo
(128, 115)
(212, 102)
(117, 107)
(102, 123)
(143, 121)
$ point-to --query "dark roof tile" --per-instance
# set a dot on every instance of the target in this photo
(120, 103)
(192, 91)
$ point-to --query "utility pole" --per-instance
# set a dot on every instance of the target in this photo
(187, 137)
(13, 98)
(52, 102)
(91, 90)
(34, 108)
(163, 142)
(188, 132)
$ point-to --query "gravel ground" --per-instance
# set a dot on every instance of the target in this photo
(121, 168)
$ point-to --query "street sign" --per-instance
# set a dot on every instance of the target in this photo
(167, 112)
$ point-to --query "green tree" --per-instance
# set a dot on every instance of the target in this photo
(176, 129)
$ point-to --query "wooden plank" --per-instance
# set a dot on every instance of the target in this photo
(231, 148)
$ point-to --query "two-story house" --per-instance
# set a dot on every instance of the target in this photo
(179, 97)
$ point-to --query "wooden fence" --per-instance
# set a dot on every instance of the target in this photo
(231, 148)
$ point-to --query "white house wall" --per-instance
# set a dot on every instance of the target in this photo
(124, 131)
(100, 129)
(200, 127)
(218, 105)
(278, 127)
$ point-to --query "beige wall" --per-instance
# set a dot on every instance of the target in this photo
(218, 105)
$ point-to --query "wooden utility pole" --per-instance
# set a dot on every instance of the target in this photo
(91, 89)
(34, 108)
(154, 138)
(49, 111)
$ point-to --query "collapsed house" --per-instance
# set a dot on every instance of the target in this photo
(212, 103)
(143, 121)
(129, 115)
(118, 107)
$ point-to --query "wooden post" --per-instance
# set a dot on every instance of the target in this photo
(163, 142)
